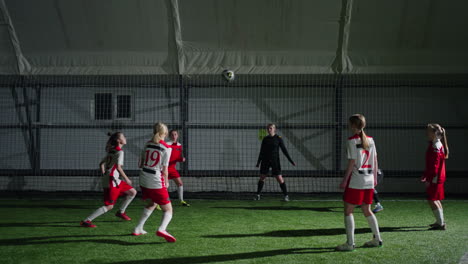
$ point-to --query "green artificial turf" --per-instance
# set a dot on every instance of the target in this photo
(211, 231)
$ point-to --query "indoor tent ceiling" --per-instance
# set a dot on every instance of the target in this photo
(88, 37)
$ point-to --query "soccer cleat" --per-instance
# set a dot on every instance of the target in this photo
(139, 232)
(164, 234)
(373, 243)
(286, 198)
(87, 224)
(184, 203)
(345, 247)
(377, 208)
(438, 227)
(158, 207)
(257, 197)
(123, 215)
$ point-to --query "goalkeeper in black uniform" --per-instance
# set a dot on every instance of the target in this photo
(269, 158)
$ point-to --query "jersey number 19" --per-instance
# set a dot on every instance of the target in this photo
(152, 157)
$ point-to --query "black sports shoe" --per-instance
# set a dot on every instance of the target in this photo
(438, 227)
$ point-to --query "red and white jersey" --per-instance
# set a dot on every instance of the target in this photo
(363, 175)
(154, 157)
(114, 157)
(435, 162)
(176, 155)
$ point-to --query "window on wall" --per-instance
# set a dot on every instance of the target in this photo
(109, 106)
(103, 106)
(124, 106)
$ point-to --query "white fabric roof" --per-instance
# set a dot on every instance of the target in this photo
(89, 37)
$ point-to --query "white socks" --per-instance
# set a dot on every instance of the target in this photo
(180, 191)
(439, 216)
(349, 225)
(166, 218)
(144, 216)
(98, 212)
(125, 203)
(374, 225)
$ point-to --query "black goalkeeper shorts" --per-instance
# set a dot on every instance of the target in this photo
(274, 165)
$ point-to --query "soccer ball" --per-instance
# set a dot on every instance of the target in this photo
(229, 75)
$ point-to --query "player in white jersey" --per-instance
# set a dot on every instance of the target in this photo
(359, 181)
(154, 181)
(111, 169)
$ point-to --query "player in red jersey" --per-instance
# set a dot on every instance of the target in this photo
(434, 175)
(111, 169)
(176, 156)
(154, 181)
(359, 181)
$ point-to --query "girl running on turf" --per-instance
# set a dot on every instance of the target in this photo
(434, 175)
(269, 158)
(176, 156)
(154, 181)
(111, 169)
(359, 181)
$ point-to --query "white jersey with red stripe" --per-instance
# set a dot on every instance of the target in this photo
(363, 175)
(154, 157)
(114, 157)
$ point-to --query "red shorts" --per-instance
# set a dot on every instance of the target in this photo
(159, 196)
(111, 194)
(173, 173)
(435, 192)
(358, 196)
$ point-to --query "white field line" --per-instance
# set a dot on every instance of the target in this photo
(464, 259)
(331, 200)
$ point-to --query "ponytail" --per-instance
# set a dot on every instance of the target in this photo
(358, 121)
(440, 133)
(112, 141)
(364, 140)
(159, 132)
(444, 142)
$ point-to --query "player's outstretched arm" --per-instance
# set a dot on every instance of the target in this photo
(285, 151)
(260, 155)
(165, 175)
(122, 173)
(348, 172)
(376, 171)
(102, 167)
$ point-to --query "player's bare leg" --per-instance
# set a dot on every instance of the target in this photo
(180, 191)
(147, 211)
(261, 183)
(282, 184)
(374, 226)
(349, 225)
(129, 196)
(166, 219)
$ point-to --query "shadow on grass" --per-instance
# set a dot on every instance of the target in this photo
(64, 239)
(54, 224)
(286, 208)
(320, 232)
(232, 257)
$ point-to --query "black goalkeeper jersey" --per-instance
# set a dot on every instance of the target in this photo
(270, 149)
